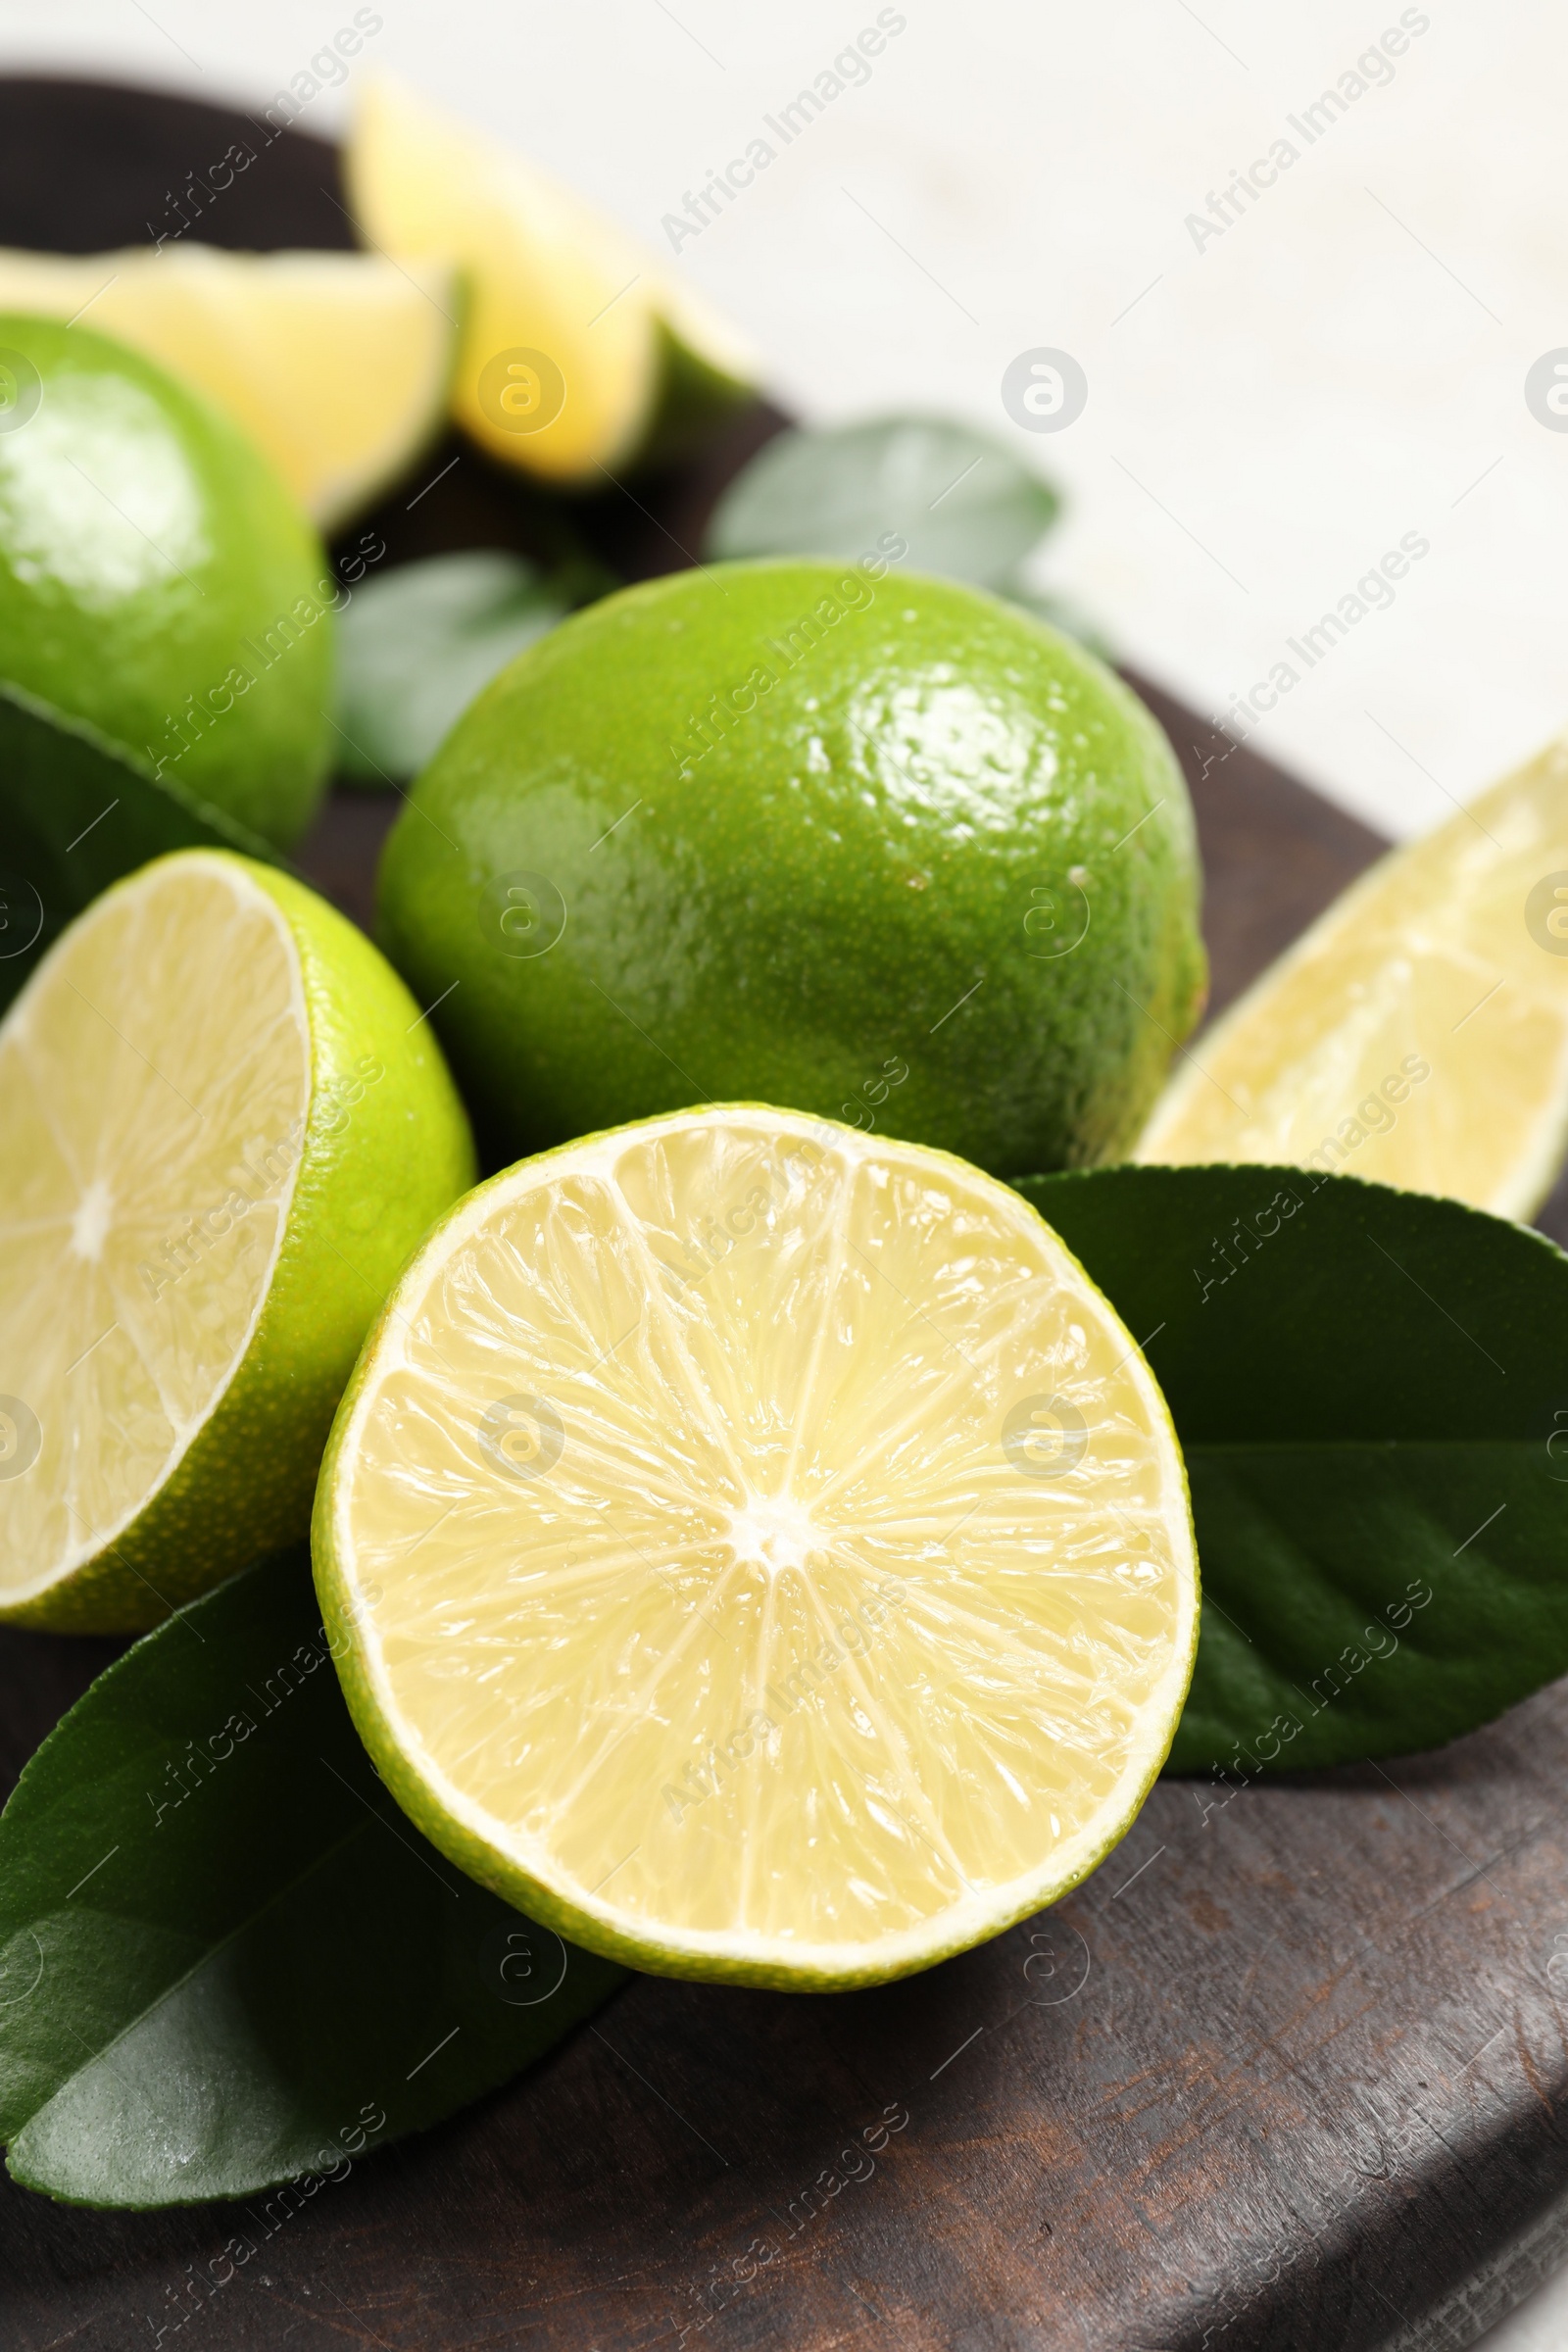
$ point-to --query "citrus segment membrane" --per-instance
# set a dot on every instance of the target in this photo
(1418, 1033)
(156, 1076)
(762, 1547)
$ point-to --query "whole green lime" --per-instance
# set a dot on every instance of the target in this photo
(157, 580)
(872, 845)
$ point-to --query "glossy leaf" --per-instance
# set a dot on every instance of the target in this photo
(227, 1959)
(416, 645)
(75, 816)
(961, 503)
(1371, 1391)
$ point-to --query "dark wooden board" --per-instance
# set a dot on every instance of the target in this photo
(1286, 2074)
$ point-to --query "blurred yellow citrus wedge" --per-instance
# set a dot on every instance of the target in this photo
(760, 1550)
(337, 365)
(579, 352)
(1418, 1032)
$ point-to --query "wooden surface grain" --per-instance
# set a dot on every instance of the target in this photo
(1285, 2075)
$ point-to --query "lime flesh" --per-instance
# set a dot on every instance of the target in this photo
(337, 365)
(759, 1550)
(579, 352)
(223, 1139)
(1417, 1034)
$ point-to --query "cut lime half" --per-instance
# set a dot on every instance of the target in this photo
(225, 1129)
(761, 1551)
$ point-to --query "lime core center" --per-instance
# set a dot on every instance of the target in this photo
(774, 1532)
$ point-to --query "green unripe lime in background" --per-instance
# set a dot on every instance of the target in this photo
(157, 580)
(872, 845)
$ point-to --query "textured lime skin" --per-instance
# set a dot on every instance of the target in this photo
(149, 559)
(381, 1159)
(924, 808)
(490, 1865)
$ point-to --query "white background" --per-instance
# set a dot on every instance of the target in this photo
(1266, 416)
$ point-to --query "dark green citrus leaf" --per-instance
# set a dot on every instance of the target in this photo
(418, 643)
(1371, 1391)
(961, 504)
(75, 816)
(227, 1959)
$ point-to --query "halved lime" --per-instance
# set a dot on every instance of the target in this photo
(226, 1126)
(759, 1550)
